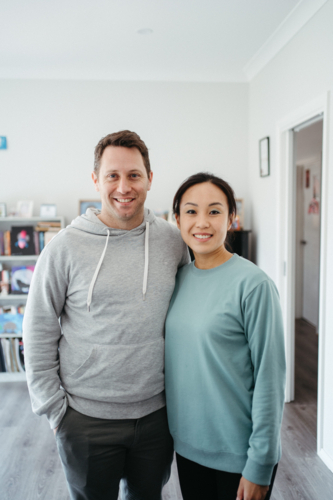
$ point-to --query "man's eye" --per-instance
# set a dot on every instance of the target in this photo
(135, 175)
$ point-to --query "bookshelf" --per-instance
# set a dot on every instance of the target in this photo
(6, 263)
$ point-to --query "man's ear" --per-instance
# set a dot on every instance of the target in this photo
(95, 180)
(150, 180)
(177, 220)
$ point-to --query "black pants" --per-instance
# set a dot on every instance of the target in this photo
(97, 453)
(202, 483)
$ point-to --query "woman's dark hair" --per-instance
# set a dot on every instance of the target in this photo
(199, 179)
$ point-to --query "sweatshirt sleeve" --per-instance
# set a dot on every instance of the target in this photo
(264, 331)
(41, 334)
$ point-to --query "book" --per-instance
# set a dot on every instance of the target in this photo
(19, 351)
(22, 240)
(2, 243)
(21, 278)
(6, 353)
(11, 323)
(41, 241)
(2, 359)
(7, 245)
(36, 241)
(48, 235)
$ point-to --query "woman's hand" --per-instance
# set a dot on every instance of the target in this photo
(251, 491)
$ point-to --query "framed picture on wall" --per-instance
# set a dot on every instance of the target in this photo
(25, 208)
(264, 157)
(84, 204)
(48, 210)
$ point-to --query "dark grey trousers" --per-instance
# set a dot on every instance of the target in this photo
(97, 454)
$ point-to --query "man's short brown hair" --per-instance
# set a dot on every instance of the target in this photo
(126, 139)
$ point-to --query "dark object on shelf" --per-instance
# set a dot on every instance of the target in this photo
(22, 240)
(240, 243)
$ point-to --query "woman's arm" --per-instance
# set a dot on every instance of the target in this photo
(264, 331)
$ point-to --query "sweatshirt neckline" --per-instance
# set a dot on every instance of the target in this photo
(221, 267)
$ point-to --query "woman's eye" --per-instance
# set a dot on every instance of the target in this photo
(214, 212)
(191, 211)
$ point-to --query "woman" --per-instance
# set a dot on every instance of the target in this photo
(225, 365)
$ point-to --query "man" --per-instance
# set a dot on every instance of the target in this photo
(94, 333)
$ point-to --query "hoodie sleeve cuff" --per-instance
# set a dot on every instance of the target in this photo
(257, 473)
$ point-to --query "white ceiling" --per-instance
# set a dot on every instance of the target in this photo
(192, 40)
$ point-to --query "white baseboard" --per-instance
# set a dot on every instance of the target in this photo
(328, 461)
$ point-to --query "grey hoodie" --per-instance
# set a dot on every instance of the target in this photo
(93, 327)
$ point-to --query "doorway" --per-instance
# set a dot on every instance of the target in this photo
(307, 145)
(286, 249)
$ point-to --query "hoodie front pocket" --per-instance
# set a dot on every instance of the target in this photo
(119, 373)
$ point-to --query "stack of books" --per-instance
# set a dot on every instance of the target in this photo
(27, 240)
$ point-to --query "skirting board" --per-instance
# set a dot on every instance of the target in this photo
(328, 461)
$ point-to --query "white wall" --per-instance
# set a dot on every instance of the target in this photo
(52, 128)
(302, 71)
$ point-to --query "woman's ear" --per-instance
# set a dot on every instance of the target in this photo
(177, 217)
(231, 220)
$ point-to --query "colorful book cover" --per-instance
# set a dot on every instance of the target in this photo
(11, 323)
(22, 240)
(21, 278)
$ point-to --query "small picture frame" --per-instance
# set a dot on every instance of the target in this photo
(264, 157)
(3, 210)
(48, 210)
(25, 208)
(84, 204)
(238, 223)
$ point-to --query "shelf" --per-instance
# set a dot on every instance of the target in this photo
(14, 258)
(32, 219)
(13, 377)
(14, 296)
(11, 336)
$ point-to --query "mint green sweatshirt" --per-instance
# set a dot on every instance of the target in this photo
(225, 368)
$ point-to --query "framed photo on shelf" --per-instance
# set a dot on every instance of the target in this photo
(48, 210)
(25, 208)
(3, 210)
(238, 223)
(264, 157)
(84, 204)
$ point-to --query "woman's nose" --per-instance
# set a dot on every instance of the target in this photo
(202, 222)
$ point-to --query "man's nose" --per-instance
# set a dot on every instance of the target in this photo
(124, 185)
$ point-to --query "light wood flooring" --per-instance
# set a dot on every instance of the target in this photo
(30, 468)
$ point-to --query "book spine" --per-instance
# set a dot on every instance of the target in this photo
(2, 359)
(41, 241)
(7, 243)
(2, 244)
(36, 239)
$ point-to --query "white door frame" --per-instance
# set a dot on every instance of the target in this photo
(286, 241)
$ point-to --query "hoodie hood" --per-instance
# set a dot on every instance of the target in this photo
(90, 223)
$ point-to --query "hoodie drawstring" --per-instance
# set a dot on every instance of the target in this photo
(93, 281)
(145, 273)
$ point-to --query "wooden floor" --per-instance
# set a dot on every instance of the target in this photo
(30, 468)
